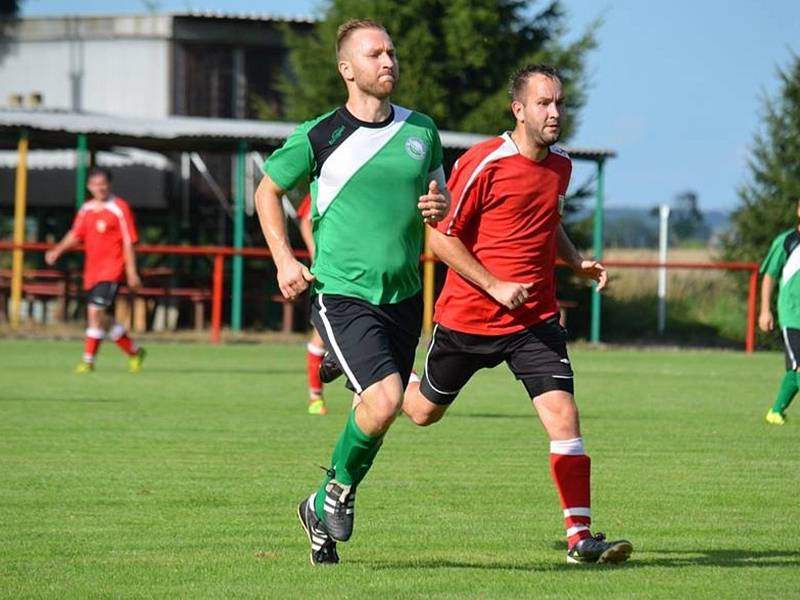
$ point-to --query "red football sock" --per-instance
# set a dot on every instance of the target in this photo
(93, 339)
(571, 471)
(121, 339)
(314, 356)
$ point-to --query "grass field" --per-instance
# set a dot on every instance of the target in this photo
(182, 482)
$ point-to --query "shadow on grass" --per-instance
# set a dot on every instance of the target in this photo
(487, 416)
(676, 559)
(723, 558)
(453, 564)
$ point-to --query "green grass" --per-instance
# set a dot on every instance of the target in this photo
(182, 482)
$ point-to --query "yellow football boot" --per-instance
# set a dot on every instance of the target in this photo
(775, 418)
(317, 407)
(135, 361)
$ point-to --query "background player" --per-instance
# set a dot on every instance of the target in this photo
(105, 226)
(500, 242)
(315, 349)
(782, 263)
(370, 163)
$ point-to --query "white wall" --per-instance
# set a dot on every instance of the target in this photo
(119, 76)
(127, 77)
(122, 63)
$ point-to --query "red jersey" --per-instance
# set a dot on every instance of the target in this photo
(304, 208)
(506, 211)
(104, 227)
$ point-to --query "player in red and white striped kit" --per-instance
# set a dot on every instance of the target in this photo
(105, 226)
(501, 240)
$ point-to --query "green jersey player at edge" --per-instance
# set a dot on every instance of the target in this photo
(782, 264)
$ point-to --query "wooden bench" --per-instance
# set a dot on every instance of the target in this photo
(39, 285)
(136, 317)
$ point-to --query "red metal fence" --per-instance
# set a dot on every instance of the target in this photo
(752, 268)
(220, 253)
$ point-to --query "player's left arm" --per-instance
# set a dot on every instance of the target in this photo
(129, 239)
(435, 204)
(131, 273)
(590, 269)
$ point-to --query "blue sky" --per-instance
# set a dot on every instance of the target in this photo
(676, 85)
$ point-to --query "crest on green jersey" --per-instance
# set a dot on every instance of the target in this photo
(416, 148)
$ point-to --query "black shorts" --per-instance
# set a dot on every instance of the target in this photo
(791, 347)
(369, 341)
(537, 356)
(103, 294)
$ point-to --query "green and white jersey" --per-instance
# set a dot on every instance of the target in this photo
(783, 263)
(366, 180)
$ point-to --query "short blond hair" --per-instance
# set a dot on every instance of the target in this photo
(347, 28)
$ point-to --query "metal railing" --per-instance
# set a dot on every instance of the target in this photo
(219, 253)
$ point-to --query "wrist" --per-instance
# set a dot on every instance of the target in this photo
(284, 259)
(490, 284)
(576, 262)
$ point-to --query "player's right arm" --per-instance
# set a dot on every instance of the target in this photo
(765, 319)
(286, 167)
(771, 269)
(68, 242)
(453, 252)
(73, 238)
(467, 192)
(293, 276)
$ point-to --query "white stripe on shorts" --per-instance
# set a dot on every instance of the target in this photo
(335, 347)
(428, 371)
(789, 349)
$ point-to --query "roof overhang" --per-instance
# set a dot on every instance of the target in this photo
(47, 129)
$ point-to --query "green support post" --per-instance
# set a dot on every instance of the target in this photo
(81, 169)
(598, 251)
(238, 238)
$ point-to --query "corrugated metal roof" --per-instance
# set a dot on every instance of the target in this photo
(219, 14)
(58, 129)
(202, 14)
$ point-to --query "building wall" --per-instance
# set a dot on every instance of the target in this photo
(117, 65)
(128, 77)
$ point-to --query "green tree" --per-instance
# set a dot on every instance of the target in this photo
(9, 11)
(456, 57)
(769, 198)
